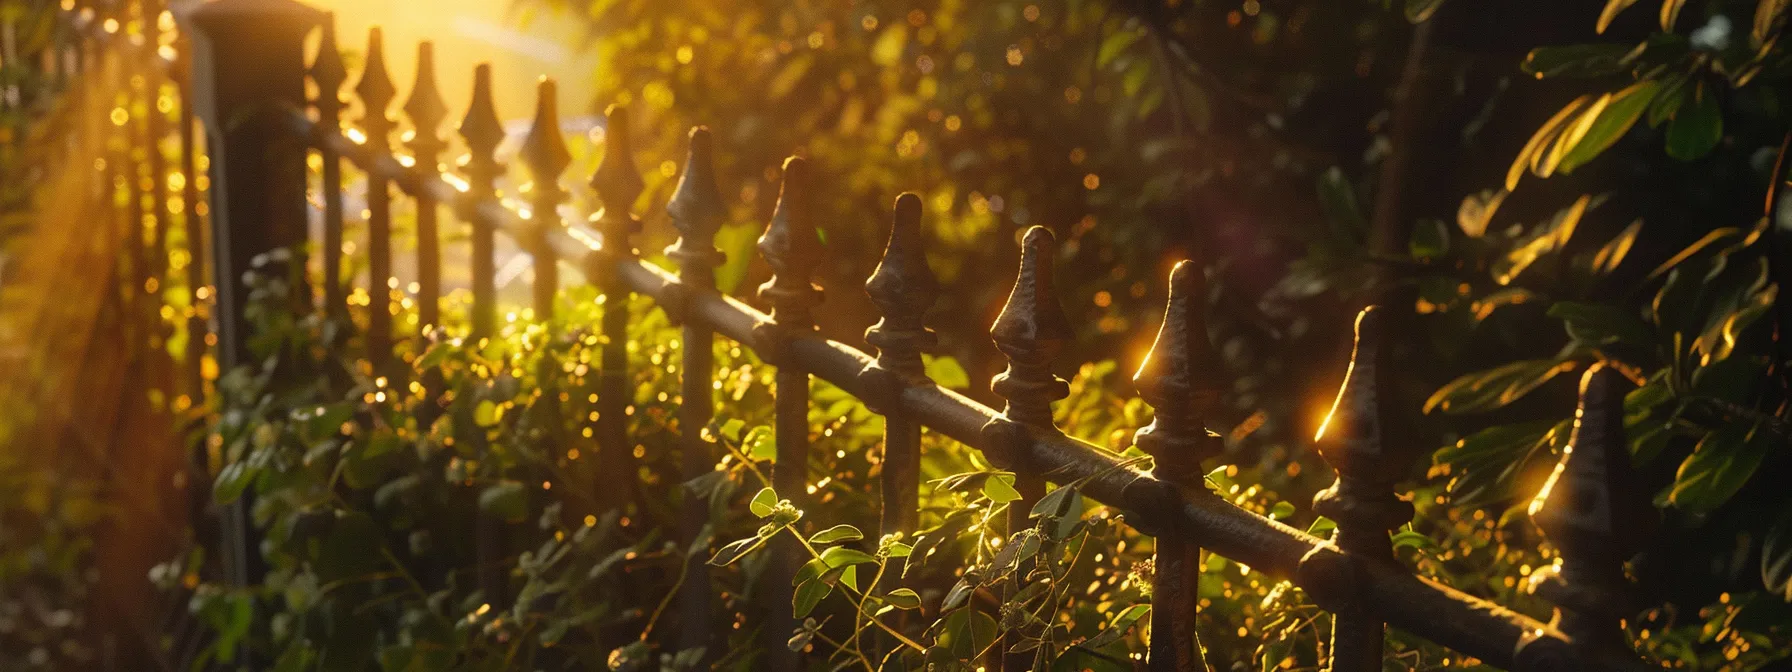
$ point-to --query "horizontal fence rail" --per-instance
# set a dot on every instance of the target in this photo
(250, 78)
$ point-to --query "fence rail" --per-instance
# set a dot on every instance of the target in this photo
(248, 84)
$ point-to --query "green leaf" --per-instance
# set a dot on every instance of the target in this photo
(1697, 128)
(1115, 44)
(837, 533)
(1057, 503)
(903, 598)
(1776, 558)
(1719, 466)
(1577, 60)
(1484, 466)
(1121, 624)
(761, 444)
(1322, 527)
(1496, 387)
(731, 428)
(487, 413)
(967, 632)
(1477, 211)
(840, 556)
(505, 500)
(1770, 16)
(1531, 156)
(1670, 11)
(1420, 11)
(1599, 324)
(1430, 240)
(1338, 198)
(1613, 121)
(1000, 488)
(946, 372)
(736, 550)
(1612, 8)
(1408, 538)
(809, 594)
(763, 502)
(1612, 253)
(1282, 510)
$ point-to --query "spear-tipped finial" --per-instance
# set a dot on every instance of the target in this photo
(481, 127)
(544, 149)
(425, 106)
(376, 90)
(903, 287)
(616, 180)
(792, 247)
(1176, 378)
(327, 71)
(1584, 501)
(1030, 330)
(696, 207)
(1592, 510)
(1354, 439)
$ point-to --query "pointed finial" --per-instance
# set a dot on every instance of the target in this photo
(792, 247)
(481, 127)
(903, 287)
(1354, 439)
(618, 184)
(1592, 509)
(425, 106)
(1030, 330)
(327, 71)
(376, 91)
(696, 207)
(616, 180)
(544, 149)
(1178, 378)
(1583, 502)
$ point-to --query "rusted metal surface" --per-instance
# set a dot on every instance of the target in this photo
(903, 287)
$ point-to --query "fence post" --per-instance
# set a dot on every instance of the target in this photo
(1591, 510)
(903, 287)
(1176, 378)
(1030, 330)
(618, 184)
(544, 152)
(376, 92)
(328, 72)
(792, 247)
(426, 111)
(1354, 440)
(483, 132)
(698, 211)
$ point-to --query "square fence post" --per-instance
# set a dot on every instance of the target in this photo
(248, 73)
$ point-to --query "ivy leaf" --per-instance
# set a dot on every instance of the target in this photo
(763, 502)
(1718, 467)
(809, 594)
(1496, 387)
(761, 444)
(967, 633)
(1408, 538)
(505, 500)
(903, 598)
(1000, 488)
(1122, 623)
(1697, 128)
(1281, 511)
(736, 550)
(840, 556)
(837, 533)
(1322, 527)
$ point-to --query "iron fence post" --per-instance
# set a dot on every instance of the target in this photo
(698, 211)
(377, 92)
(1177, 379)
(618, 185)
(792, 247)
(1030, 331)
(248, 72)
(903, 287)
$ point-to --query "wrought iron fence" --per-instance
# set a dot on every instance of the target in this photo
(248, 84)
